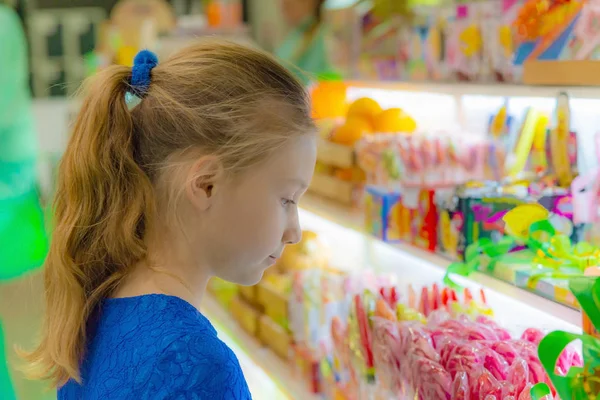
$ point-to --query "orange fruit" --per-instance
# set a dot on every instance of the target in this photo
(365, 107)
(394, 120)
(352, 131)
(329, 100)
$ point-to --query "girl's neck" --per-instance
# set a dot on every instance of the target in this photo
(171, 279)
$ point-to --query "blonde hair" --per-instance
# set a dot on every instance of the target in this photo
(216, 98)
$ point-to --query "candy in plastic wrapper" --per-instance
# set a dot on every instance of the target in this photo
(506, 350)
(518, 377)
(570, 357)
(495, 364)
(460, 386)
(465, 357)
(386, 350)
(500, 332)
(431, 380)
(533, 335)
(485, 385)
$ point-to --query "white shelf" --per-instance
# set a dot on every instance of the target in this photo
(268, 376)
(481, 89)
(515, 308)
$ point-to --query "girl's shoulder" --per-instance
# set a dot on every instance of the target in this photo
(157, 347)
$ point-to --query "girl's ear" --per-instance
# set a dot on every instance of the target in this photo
(204, 177)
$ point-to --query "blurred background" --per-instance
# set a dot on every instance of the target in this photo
(490, 83)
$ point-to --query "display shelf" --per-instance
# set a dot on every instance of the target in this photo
(268, 376)
(353, 250)
(481, 89)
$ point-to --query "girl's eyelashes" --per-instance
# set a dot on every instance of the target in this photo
(287, 202)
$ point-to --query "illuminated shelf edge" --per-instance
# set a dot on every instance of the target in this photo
(479, 89)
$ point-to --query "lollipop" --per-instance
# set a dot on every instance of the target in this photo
(465, 357)
(533, 335)
(486, 385)
(570, 357)
(518, 376)
(506, 350)
(431, 380)
(386, 343)
(495, 364)
(460, 387)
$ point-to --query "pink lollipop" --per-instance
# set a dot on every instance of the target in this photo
(502, 333)
(506, 350)
(486, 385)
(518, 376)
(386, 344)
(570, 357)
(480, 332)
(460, 387)
(495, 364)
(525, 394)
(465, 357)
(431, 380)
(528, 351)
(533, 335)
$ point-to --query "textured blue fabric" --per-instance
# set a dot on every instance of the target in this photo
(155, 347)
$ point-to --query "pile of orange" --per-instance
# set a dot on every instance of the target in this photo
(365, 116)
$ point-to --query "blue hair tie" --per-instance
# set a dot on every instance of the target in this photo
(143, 63)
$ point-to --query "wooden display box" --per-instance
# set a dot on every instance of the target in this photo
(335, 155)
(275, 337)
(273, 302)
(333, 188)
(246, 315)
(250, 294)
(562, 73)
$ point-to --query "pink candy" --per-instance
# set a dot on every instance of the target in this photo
(533, 335)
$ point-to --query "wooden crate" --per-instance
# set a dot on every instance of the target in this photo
(333, 188)
(246, 315)
(562, 73)
(274, 336)
(335, 155)
(274, 303)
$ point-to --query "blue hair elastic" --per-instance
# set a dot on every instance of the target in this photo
(143, 63)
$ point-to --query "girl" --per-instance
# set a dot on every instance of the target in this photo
(304, 46)
(197, 175)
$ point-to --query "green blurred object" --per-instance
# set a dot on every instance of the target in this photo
(6, 390)
(23, 231)
(580, 383)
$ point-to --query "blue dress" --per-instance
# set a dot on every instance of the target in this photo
(155, 347)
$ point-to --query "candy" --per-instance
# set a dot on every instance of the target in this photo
(431, 380)
(518, 376)
(533, 335)
(506, 350)
(486, 385)
(495, 364)
(460, 387)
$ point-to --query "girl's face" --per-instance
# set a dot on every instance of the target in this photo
(242, 227)
(296, 11)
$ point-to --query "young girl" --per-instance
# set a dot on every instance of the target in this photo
(196, 175)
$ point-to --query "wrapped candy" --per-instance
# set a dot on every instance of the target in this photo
(533, 335)
(431, 380)
(506, 350)
(518, 377)
(460, 387)
(465, 357)
(386, 352)
(570, 357)
(495, 364)
(485, 385)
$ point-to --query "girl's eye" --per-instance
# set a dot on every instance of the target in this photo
(287, 202)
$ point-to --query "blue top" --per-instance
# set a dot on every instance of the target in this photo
(156, 347)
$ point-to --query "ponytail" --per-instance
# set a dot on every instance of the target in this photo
(101, 211)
